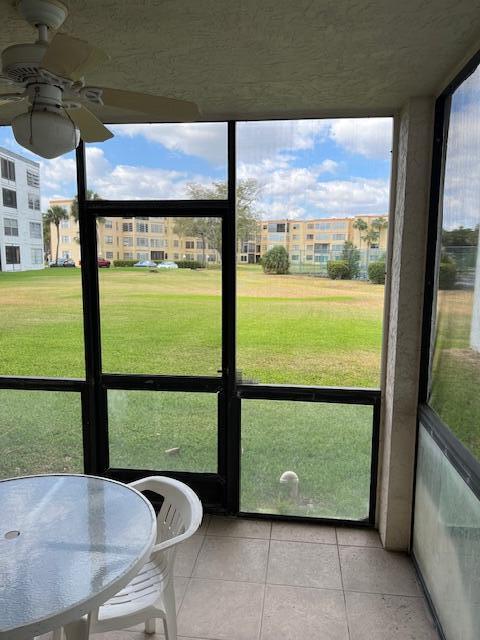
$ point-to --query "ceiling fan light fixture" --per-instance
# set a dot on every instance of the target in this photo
(46, 133)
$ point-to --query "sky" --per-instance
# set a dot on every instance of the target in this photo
(304, 168)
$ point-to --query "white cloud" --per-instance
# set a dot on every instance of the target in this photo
(369, 137)
(207, 140)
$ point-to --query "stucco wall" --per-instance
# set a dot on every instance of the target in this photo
(398, 432)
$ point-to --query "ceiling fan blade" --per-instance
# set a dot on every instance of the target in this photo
(91, 129)
(7, 98)
(71, 57)
(161, 108)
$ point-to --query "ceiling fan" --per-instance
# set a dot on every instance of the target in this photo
(52, 72)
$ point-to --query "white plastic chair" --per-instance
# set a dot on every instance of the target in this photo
(150, 595)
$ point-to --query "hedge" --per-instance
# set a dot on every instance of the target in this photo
(338, 269)
(376, 272)
(447, 275)
(182, 264)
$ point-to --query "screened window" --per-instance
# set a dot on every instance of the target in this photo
(37, 255)
(35, 230)
(8, 169)
(108, 239)
(12, 255)
(141, 227)
(33, 179)
(108, 224)
(127, 226)
(9, 198)
(10, 227)
(455, 376)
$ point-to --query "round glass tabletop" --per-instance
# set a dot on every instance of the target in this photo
(67, 544)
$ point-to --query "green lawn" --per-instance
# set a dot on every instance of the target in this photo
(291, 329)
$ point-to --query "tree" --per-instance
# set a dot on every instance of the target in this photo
(210, 229)
(362, 226)
(276, 261)
(372, 232)
(47, 236)
(54, 216)
(91, 195)
(351, 255)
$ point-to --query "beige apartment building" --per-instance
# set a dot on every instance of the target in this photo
(131, 239)
(315, 242)
(310, 243)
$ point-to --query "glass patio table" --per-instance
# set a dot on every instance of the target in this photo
(67, 544)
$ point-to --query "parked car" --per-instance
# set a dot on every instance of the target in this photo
(145, 263)
(103, 262)
(166, 264)
(62, 262)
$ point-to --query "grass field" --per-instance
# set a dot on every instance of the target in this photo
(291, 329)
(456, 369)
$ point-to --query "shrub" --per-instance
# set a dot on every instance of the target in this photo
(376, 272)
(188, 264)
(124, 263)
(447, 275)
(351, 255)
(338, 269)
(276, 261)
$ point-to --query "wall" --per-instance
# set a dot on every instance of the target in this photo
(402, 354)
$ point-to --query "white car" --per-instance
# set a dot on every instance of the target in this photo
(167, 265)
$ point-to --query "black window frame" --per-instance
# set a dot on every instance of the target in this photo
(8, 169)
(16, 250)
(9, 193)
(465, 463)
(219, 492)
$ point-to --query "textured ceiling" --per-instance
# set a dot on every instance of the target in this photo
(264, 58)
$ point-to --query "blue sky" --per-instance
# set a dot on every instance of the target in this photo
(307, 168)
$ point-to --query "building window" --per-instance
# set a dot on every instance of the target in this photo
(189, 256)
(65, 239)
(33, 179)
(243, 258)
(10, 227)
(127, 241)
(35, 230)
(9, 198)
(8, 169)
(338, 236)
(127, 226)
(109, 255)
(339, 225)
(157, 255)
(141, 227)
(12, 255)
(37, 255)
(142, 242)
(310, 226)
(176, 243)
(274, 227)
(127, 255)
(157, 243)
(323, 226)
(322, 236)
(189, 244)
(155, 227)
(309, 236)
(295, 258)
(33, 202)
(200, 245)
(65, 224)
(142, 256)
(108, 239)
(309, 257)
(108, 225)
(321, 247)
(296, 247)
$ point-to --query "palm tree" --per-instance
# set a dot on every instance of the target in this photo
(370, 237)
(54, 216)
(90, 195)
(361, 226)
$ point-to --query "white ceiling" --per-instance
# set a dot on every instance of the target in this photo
(269, 58)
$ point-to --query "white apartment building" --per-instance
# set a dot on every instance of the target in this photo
(21, 232)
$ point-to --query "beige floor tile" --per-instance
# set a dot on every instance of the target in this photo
(378, 571)
(379, 617)
(303, 532)
(222, 610)
(304, 564)
(202, 529)
(186, 556)
(297, 613)
(239, 527)
(358, 537)
(238, 559)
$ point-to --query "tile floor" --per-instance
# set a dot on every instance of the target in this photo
(256, 580)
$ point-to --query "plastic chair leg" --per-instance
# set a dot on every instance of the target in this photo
(170, 620)
(151, 625)
(78, 630)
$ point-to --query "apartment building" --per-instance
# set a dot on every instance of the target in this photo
(21, 231)
(315, 242)
(139, 238)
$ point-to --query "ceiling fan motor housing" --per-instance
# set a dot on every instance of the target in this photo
(51, 13)
(22, 61)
